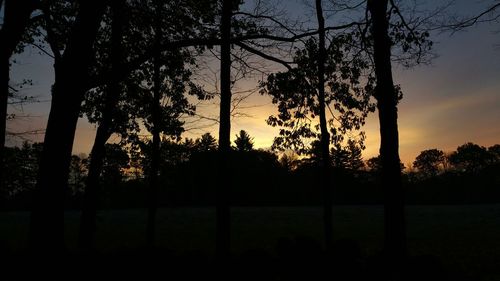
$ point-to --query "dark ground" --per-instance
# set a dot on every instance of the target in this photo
(445, 243)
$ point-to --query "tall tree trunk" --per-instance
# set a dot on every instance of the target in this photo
(16, 17)
(47, 216)
(395, 230)
(91, 195)
(4, 96)
(325, 135)
(104, 131)
(155, 150)
(223, 227)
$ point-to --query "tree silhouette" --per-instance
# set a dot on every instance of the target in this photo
(324, 133)
(326, 78)
(223, 230)
(385, 36)
(470, 157)
(115, 162)
(387, 99)
(155, 128)
(104, 130)
(155, 91)
(428, 162)
(348, 157)
(71, 78)
(206, 143)
(22, 164)
(494, 150)
(374, 164)
(243, 141)
(289, 161)
(16, 17)
(77, 174)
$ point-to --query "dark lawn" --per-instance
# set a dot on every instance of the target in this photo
(465, 238)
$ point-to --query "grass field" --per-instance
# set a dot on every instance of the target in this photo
(465, 238)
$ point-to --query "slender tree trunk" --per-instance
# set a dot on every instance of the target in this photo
(223, 212)
(155, 151)
(325, 135)
(16, 18)
(47, 216)
(395, 231)
(91, 195)
(4, 95)
(104, 131)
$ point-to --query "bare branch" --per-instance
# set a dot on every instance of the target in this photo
(43, 50)
(192, 42)
(265, 56)
(473, 20)
(268, 18)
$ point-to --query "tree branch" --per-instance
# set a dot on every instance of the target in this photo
(127, 68)
(471, 21)
(263, 55)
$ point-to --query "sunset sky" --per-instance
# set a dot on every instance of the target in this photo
(454, 100)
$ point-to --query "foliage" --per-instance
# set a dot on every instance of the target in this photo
(116, 162)
(347, 157)
(494, 151)
(374, 164)
(295, 93)
(470, 157)
(173, 152)
(22, 166)
(428, 162)
(136, 98)
(289, 161)
(78, 169)
(206, 143)
(243, 142)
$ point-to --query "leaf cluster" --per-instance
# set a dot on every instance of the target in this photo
(347, 95)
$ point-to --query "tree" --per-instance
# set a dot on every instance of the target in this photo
(223, 216)
(71, 78)
(206, 143)
(387, 96)
(167, 103)
(325, 79)
(244, 142)
(115, 162)
(16, 17)
(155, 128)
(154, 92)
(104, 130)
(324, 135)
(77, 173)
(22, 164)
(374, 164)
(470, 158)
(387, 99)
(289, 161)
(349, 157)
(428, 162)
(494, 151)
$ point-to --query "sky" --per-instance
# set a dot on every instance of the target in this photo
(454, 100)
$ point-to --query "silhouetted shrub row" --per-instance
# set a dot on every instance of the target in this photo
(259, 179)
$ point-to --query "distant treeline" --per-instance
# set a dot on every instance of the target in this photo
(189, 170)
